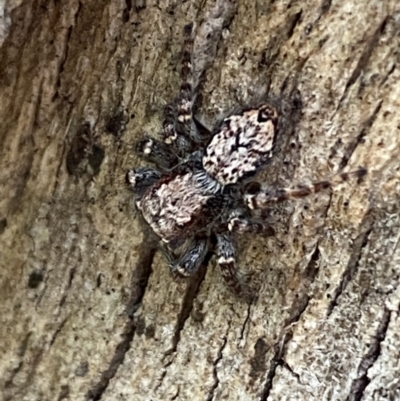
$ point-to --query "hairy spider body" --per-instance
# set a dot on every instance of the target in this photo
(179, 204)
(199, 189)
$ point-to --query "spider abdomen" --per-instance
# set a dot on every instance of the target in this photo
(178, 205)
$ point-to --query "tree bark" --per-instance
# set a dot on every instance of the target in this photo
(88, 309)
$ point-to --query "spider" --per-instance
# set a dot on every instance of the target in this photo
(200, 191)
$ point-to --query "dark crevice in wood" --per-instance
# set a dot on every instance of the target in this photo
(62, 63)
(126, 11)
(370, 46)
(3, 225)
(298, 308)
(360, 137)
(139, 283)
(390, 72)
(64, 59)
(325, 7)
(21, 353)
(34, 359)
(57, 332)
(211, 393)
(295, 315)
(292, 23)
(280, 347)
(38, 103)
(258, 361)
(246, 321)
(163, 374)
(176, 395)
(301, 302)
(352, 266)
(289, 368)
(66, 52)
(66, 292)
(360, 384)
(275, 362)
(35, 279)
(64, 392)
(142, 272)
(192, 290)
(312, 268)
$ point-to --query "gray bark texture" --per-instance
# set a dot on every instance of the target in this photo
(88, 308)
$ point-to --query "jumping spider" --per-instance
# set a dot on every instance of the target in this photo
(201, 188)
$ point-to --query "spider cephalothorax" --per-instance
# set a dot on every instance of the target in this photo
(198, 189)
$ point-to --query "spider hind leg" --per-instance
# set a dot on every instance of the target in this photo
(157, 152)
(227, 266)
(262, 199)
(189, 262)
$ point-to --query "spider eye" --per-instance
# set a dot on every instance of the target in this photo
(266, 113)
(263, 116)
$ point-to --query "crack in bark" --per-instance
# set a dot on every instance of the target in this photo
(68, 287)
(63, 60)
(64, 57)
(57, 332)
(64, 392)
(325, 7)
(126, 11)
(352, 266)
(21, 354)
(191, 292)
(187, 306)
(388, 75)
(304, 301)
(138, 287)
(360, 384)
(353, 144)
(312, 268)
(246, 321)
(275, 362)
(289, 368)
(364, 59)
(280, 348)
(215, 364)
(300, 304)
(34, 361)
(293, 22)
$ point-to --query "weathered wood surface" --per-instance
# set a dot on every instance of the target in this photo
(88, 309)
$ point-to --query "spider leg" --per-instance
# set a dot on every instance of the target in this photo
(157, 152)
(173, 136)
(263, 199)
(243, 224)
(142, 178)
(188, 263)
(179, 128)
(227, 264)
(240, 221)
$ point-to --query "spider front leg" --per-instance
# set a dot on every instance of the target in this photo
(157, 152)
(141, 179)
(240, 223)
(189, 262)
(227, 265)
